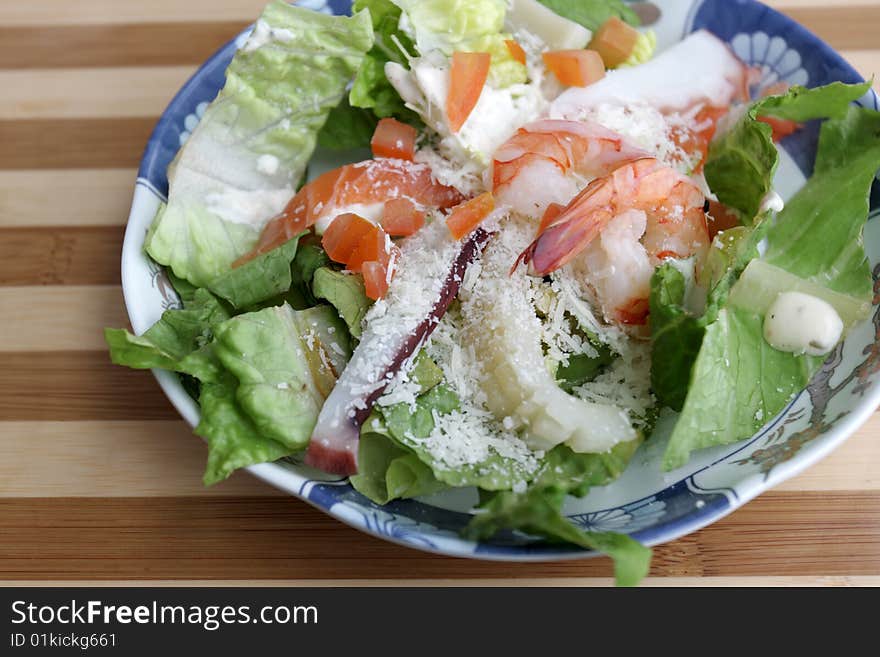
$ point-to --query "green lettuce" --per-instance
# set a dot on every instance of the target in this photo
(280, 387)
(676, 333)
(371, 89)
(179, 341)
(742, 159)
(448, 26)
(387, 471)
(538, 511)
(243, 161)
(738, 381)
(592, 13)
(234, 441)
(262, 278)
(345, 292)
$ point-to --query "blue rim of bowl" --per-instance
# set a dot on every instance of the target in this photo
(703, 507)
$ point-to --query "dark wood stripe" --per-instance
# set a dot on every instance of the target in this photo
(77, 385)
(278, 538)
(842, 27)
(73, 143)
(139, 44)
(84, 255)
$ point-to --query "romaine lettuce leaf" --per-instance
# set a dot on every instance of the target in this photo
(592, 13)
(371, 89)
(179, 341)
(280, 387)
(262, 278)
(348, 127)
(233, 439)
(743, 159)
(738, 381)
(538, 510)
(447, 26)
(387, 471)
(345, 292)
(243, 161)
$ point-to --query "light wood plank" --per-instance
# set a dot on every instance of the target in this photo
(66, 197)
(58, 318)
(778, 535)
(89, 93)
(110, 459)
(97, 12)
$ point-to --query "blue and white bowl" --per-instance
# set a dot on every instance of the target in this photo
(653, 506)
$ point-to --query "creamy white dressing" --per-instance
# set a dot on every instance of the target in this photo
(370, 211)
(772, 201)
(264, 33)
(802, 324)
(268, 164)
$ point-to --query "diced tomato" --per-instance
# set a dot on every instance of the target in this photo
(401, 217)
(575, 68)
(367, 249)
(468, 215)
(379, 273)
(344, 235)
(721, 218)
(614, 41)
(553, 210)
(634, 313)
(466, 80)
(394, 139)
(516, 51)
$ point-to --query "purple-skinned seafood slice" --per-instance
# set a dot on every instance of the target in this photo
(431, 268)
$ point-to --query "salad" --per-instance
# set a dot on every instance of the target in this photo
(561, 235)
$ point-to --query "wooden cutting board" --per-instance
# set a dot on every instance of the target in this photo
(99, 478)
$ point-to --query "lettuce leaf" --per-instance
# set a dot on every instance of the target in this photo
(742, 159)
(447, 26)
(233, 439)
(592, 13)
(345, 292)
(738, 381)
(371, 89)
(676, 334)
(262, 278)
(348, 127)
(538, 511)
(179, 341)
(243, 161)
(280, 387)
(387, 471)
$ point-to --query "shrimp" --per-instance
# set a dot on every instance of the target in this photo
(560, 156)
(363, 187)
(620, 228)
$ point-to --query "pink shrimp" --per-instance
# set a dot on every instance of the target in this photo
(560, 157)
(624, 225)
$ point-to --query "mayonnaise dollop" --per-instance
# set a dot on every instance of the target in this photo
(802, 324)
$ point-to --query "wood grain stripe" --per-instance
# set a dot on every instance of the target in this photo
(85, 12)
(842, 27)
(77, 385)
(135, 44)
(165, 459)
(70, 197)
(54, 318)
(89, 93)
(73, 143)
(278, 538)
(78, 255)
(110, 459)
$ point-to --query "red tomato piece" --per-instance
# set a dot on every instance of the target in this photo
(516, 51)
(394, 139)
(466, 80)
(344, 235)
(401, 217)
(575, 68)
(468, 215)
